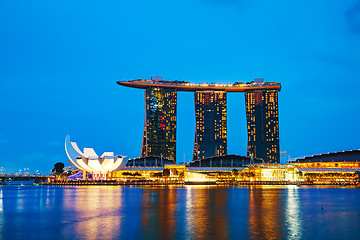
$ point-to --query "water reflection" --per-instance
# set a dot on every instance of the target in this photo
(20, 200)
(96, 209)
(1, 201)
(193, 212)
(206, 213)
(184, 212)
(292, 213)
(158, 218)
(265, 213)
(1, 212)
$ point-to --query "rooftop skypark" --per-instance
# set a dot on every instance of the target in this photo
(191, 87)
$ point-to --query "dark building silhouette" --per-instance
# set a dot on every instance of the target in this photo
(225, 161)
(159, 137)
(211, 124)
(263, 125)
(345, 159)
(149, 161)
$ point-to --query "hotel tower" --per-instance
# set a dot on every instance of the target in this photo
(263, 125)
(159, 137)
(211, 126)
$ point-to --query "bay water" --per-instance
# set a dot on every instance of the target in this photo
(179, 212)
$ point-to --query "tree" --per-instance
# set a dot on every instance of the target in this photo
(166, 172)
(58, 168)
(175, 172)
(158, 174)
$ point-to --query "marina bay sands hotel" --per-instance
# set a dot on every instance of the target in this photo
(159, 139)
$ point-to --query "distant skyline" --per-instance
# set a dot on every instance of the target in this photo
(60, 60)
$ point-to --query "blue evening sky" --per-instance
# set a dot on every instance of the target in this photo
(60, 60)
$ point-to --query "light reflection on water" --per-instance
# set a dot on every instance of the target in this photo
(206, 213)
(1, 201)
(1, 212)
(293, 219)
(265, 211)
(96, 208)
(178, 212)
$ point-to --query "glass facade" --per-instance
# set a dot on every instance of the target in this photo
(263, 125)
(211, 124)
(159, 137)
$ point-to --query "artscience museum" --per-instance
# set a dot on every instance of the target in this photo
(89, 162)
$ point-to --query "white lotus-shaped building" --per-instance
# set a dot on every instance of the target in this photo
(90, 162)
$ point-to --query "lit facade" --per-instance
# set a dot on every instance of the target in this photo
(211, 124)
(330, 168)
(344, 159)
(263, 125)
(159, 137)
(271, 172)
(197, 178)
(89, 162)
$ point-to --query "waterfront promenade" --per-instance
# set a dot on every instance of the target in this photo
(182, 183)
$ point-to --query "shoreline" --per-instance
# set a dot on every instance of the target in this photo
(116, 183)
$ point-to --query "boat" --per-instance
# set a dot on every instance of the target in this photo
(36, 184)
